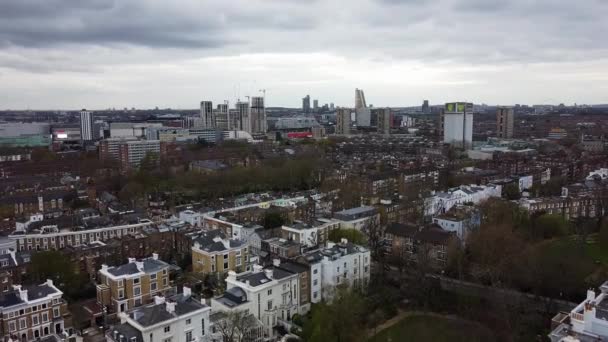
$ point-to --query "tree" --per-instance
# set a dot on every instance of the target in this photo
(547, 226)
(236, 326)
(512, 192)
(603, 236)
(273, 219)
(343, 320)
(61, 270)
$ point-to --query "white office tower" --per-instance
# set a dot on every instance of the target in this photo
(458, 124)
(343, 121)
(207, 114)
(86, 125)
(258, 115)
(222, 117)
(243, 121)
(362, 112)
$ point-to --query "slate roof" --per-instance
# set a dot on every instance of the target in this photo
(150, 266)
(11, 298)
(156, 313)
(400, 229)
(208, 243)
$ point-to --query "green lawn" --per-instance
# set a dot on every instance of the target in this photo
(431, 328)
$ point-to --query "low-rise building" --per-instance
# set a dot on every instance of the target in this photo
(122, 288)
(179, 318)
(213, 252)
(338, 264)
(442, 202)
(586, 322)
(31, 313)
(272, 295)
(410, 243)
(461, 219)
(310, 234)
(357, 218)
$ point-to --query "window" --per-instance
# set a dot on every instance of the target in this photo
(21, 312)
(203, 327)
(269, 292)
(269, 305)
(165, 271)
(153, 276)
(56, 312)
(188, 336)
(121, 293)
(188, 321)
(137, 291)
(35, 320)
(12, 326)
(167, 328)
(22, 323)
(120, 283)
(45, 317)
(315, 294)
(135, 281)
(315, 282)
(167, 339)
(164, 281)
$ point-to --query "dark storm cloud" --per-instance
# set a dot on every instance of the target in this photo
(170, 24)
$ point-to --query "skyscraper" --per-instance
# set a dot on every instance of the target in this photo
(384, 121)
(258, 115)
(504, 122)
(243, 121)
(362, 112)
(207, 114)
(343, 121)
(306, 104)
(359, 99)
(458, 124)
(222, 118)
(315, 105)
(86, 125)
(425, 107)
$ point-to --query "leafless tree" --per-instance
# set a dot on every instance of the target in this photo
(237, 326)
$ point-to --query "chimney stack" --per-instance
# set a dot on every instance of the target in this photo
(276, 262)
(155, 256)
(132, 260)
(268, 273)
(159, 300)
(257, 268)
(187, 291)
(170, 306)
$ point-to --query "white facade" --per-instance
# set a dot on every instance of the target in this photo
(586, 322)
(192, 217)
(270, 295)
(442, 202)
(137, 150)
(309, 235)
(457, 128)
(189, 326)
(131, 129)
(337, 264)
(86, 126)
(600, 173)
(525, 183)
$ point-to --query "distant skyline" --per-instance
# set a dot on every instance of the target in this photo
(98, 54)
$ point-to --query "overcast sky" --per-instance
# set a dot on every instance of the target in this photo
(71, 54)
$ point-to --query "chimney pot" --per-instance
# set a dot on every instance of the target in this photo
(268, 273)
(187, 291)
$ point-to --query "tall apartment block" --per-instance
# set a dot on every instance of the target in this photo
(258, 115)
(504, 122)
(343, 121)
(207, 115)
(86, 125)
(458, 124)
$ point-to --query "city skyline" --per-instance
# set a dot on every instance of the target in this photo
(99, 54)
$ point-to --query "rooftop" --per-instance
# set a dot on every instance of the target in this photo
(149, 265)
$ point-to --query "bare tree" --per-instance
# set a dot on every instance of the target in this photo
(237, 326)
